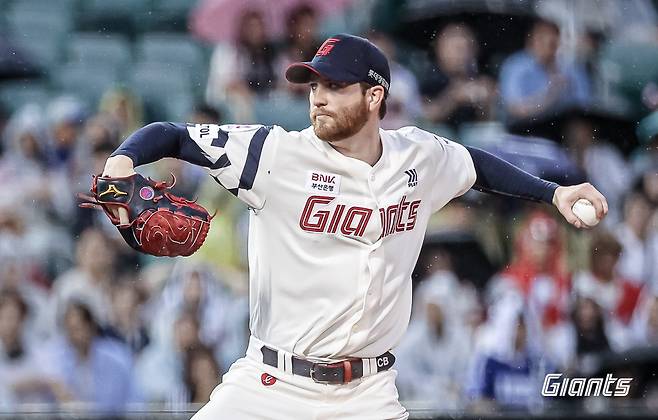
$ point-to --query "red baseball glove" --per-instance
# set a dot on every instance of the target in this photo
(160, 223)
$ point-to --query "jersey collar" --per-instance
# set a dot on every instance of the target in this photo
(326, 148)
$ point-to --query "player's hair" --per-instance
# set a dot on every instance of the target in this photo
(382, 109)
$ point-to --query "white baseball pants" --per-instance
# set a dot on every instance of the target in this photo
(253, 390)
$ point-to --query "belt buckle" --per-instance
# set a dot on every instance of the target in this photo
(325, 381)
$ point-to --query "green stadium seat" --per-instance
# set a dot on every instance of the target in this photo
(625, 69)
(114, 7)
(122, 16)
(480, 133)
(113, 50)
(178, 108)
(88, 83)
(167, 16)
(158, 85)
(282, 109)
(25, 20)
(176, 50)
(439, 129)
(42, 48)
(15, 95)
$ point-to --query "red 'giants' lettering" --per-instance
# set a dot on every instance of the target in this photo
(353, 220)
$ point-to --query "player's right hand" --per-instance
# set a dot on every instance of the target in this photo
(119, 166)
(565, 197)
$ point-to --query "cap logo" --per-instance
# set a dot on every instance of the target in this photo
(326, 47)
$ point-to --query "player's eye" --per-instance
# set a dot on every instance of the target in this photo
(335, 86)
(314, 85)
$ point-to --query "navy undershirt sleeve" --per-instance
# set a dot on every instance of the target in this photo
(159, 140)
(494, 175)
(152, 142)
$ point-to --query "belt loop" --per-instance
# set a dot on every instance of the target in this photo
(347, 371)
(366, 367)
(281, 361)
(287, 359)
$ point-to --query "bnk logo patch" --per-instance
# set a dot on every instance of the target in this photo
(327, 184)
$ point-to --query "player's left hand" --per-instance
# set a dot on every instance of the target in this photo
(565, 197)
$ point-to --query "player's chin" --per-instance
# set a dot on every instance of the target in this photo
(324, 131)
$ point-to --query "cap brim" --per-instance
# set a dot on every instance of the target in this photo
(305, 71)
(302, 72)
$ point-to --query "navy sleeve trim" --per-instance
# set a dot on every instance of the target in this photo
(250, 169)
(496, 176)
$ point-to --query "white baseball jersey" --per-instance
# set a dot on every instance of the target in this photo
(332, 240)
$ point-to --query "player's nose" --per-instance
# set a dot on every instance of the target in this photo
(318, 97)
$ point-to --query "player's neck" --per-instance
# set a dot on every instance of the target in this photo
(366, 145)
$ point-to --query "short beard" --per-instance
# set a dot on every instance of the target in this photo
(345, 123)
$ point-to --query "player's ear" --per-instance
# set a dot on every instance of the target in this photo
(375, 96)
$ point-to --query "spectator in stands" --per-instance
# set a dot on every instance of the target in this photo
(65, 118)
(202, 374)
(454, 90)
(90, 279)
(602, 163)
(645, 319)
(205, 114)
(507, 367)
(616, 296)
(300, 44)
(434, 353)
(638, 238)
(538, 270)
(194, 288)
(126, 319)
(301, 41)
(645, 157)
(17, 276)
(648, 183)
(242, 69)
(25, 171)
(21, 379)
(160, 367)
(255, 64)
(403, 105)
(535, 81)
(97, 371)
(577, 345)
(125, 108)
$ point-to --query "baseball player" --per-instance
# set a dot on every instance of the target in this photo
(338, 215)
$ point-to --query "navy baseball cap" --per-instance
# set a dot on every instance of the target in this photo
(344, 58)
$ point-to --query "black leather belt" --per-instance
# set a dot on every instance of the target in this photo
(328, 373)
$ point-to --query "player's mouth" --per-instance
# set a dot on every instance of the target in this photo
(321, 114)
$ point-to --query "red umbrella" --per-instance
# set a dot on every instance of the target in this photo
(217, 20)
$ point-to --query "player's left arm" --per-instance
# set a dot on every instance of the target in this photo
(497, 176)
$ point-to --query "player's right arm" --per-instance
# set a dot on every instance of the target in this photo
(238, 157)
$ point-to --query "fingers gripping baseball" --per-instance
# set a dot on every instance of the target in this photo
(566, 197)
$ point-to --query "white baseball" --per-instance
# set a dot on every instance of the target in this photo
(586, 212)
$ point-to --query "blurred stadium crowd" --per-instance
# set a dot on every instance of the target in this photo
(505, 292)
